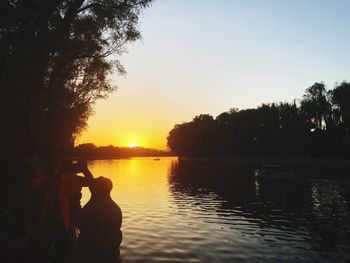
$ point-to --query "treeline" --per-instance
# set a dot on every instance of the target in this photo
(91, 151)
(317, 125)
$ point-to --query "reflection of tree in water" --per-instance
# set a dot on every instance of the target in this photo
(195, 183)
(236, 187)
(329, 218)
(318, 209)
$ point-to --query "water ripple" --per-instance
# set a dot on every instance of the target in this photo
(179, 213)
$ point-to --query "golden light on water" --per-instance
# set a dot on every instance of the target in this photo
(133, 180)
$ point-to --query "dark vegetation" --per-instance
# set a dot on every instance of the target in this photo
(55, 63)
(91, 151)
(317, 125)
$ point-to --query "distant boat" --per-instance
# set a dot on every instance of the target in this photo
(156, 159)
(273, 172)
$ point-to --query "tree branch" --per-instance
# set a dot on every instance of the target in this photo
(107, 6)
(67, 20)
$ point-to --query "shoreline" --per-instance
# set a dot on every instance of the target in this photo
(243, 161)
(92, 158)
(305, 163)
(308, 164)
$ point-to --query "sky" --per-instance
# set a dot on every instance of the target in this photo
(205, 57)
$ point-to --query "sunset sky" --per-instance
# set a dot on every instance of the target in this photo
(201, 56)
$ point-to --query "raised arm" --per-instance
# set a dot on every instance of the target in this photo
(85, 170)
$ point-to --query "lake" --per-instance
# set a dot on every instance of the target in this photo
(175, 211)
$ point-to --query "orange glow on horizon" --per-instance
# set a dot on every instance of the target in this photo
(116, 123)
(104, 137)
(123, 131)
(133, 144)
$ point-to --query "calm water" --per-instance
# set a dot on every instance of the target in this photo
(203, 212)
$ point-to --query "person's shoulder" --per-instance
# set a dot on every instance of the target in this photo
(115, 208)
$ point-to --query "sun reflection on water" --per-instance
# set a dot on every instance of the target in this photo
(200, 213)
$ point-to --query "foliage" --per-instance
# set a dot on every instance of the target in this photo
(314, 105)
(341, 104)
(318, 126)
(55, 62)
(91, 151)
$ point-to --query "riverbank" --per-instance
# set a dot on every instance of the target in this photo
(92, 158)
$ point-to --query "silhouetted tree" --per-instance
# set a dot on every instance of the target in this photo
(318, 127)
(340, 97)
(293, 129)
(315, 105)
(54, 63)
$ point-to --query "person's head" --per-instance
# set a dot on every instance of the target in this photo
(101, 186)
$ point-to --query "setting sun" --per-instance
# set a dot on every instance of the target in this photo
(133, 144)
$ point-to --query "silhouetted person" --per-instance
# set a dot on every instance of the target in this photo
(100, 222)
(69, 187)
